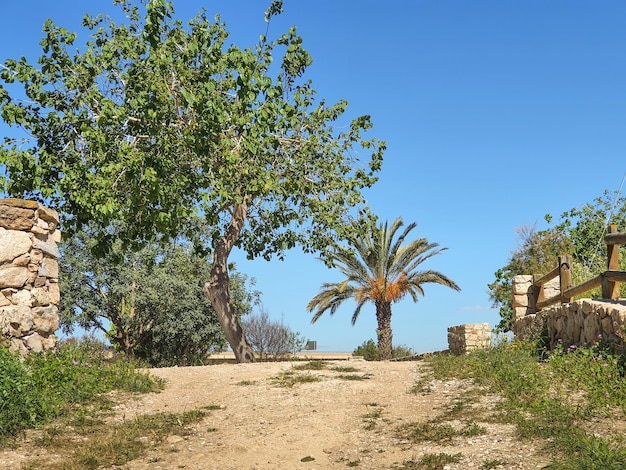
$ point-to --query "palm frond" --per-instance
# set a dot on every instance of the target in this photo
(381, 267)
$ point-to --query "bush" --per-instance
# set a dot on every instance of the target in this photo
(369, 351)
(45, 385)
(271, 339)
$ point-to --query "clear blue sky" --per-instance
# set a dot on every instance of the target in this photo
(495, 113)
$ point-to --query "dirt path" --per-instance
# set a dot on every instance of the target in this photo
(331, 423)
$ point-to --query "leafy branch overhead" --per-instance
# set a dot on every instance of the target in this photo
(154, 121)
(155, 128)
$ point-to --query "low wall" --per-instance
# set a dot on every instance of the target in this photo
(581, 322)
(464, 338)
(29, 273)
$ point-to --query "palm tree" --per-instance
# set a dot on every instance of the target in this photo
(379, 270)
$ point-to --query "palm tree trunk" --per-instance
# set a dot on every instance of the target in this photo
(385, 337)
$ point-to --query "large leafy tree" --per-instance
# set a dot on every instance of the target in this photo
(380, 266)
(150, 304)
(578, 232)
(158, 128)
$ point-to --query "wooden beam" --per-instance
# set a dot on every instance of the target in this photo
(546, 303)
(584, 287)
(615, 238)
(547, 277)
(616, 276)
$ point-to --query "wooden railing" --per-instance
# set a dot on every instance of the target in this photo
(609, 280)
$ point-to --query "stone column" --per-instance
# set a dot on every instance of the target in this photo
(523, 297)
(464, 338)
(29, 275)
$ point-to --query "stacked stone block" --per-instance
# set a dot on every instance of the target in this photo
(29, 275)
(464, 338)
(582, 322)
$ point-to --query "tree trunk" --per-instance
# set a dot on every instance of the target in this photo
(385, 339)
(218, 291)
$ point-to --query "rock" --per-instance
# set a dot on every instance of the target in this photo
(18, 318)
(40, 296)
(33, 342)
(16, 218)
(13, 244)
(48, 215)
(49, 268)
(45, 319)
(13, 276)
(48, 248)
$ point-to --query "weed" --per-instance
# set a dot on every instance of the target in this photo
(246, 382)
(371, 418)
(345, 369)
(50, 384)
(354, 376)
(432, 461)
(490, 464)
(426, 431)
(288, 379)
(549, 398)
(311, 365)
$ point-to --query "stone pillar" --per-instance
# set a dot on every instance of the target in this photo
(464, 338)
(523, 297)
(29, 275)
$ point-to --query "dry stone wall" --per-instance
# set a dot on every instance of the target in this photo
(581, 322)
(464, 338)
(29, 275)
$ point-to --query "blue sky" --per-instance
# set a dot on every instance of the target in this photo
(495, 113)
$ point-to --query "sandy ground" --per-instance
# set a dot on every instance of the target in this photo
(328, 424)
(332, 423)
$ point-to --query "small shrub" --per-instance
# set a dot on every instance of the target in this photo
(49, 384)
(369, 351)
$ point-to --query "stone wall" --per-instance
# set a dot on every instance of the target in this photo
(29, 273)
(464, 338)
(581, 322)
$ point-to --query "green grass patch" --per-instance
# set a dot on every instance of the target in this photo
(311, 365)
(289, 378)
(54, 383)
(548, 397)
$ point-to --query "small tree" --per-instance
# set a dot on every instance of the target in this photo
(163, 127)
(150, 304)
(381, 269)
(271, 339)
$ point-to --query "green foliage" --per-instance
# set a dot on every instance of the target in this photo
(151, 305)
(369, 351)
(595, 372)
(555, 400)
(579, 233)
(157, 128)
(46, 385)
(155, 120)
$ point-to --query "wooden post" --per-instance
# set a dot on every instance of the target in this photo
(538, 294)
(610, 289)
(565, 276)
